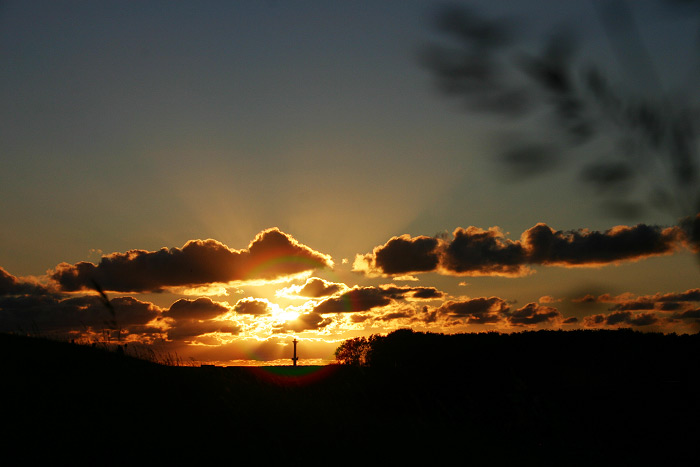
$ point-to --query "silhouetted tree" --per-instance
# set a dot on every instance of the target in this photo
(353, 351)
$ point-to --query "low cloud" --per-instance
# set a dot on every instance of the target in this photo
(400, 256)
(11, 285)
(200, 309)
(354, 300)
(494, 310)
(360, 299)
(314, 287)
(478, 252)
(592, 248)
(480, 310)
(620, 318)
(50, 314)
(305, 322)
(678, 302)
(532, 314)
(191, 329)
(253, 306)
(270, 256)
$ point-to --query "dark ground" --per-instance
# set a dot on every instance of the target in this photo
(539, 399)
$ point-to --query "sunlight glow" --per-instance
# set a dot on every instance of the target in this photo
(288, 314)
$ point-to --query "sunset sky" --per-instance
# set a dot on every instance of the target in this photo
(237, 174)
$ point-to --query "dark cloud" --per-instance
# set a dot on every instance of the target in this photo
(366, 298)
(617, 318)
(688, 314)
(402, 255)
(480, 310)
(570, 320)
(305, 322)
(638, 304)
(271, 255)
(49, 314)
(252, 306)
(356, 299)
(189, 319)
(669, 306)
(11, 285)
(662, 302)
(492, 310)
(411, 293)
(316, 287)
(477, 252)
(426, 293)
(691, 228)
(588, 298)
(532, 313)
(474, 251)
(202, 308)
(394, 315)
(691, 295)
(589, 248)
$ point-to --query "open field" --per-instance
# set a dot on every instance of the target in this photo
(76, 404)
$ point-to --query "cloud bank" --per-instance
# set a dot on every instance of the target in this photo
(271, 255)
(478, 252)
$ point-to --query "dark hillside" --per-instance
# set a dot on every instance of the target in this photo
(551, 398)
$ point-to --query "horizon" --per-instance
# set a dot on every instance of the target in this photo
(214, 180)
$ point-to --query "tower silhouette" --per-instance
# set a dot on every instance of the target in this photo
(295, 358)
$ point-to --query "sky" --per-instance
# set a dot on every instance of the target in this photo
(214, 179)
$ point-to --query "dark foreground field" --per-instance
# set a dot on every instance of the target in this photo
(535, 399)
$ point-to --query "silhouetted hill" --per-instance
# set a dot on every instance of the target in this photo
(550, 398)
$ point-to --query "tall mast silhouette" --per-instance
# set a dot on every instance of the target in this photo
(295, 358)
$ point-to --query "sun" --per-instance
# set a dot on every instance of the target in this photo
(286, 314)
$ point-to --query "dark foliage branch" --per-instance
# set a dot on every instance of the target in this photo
(650, 158)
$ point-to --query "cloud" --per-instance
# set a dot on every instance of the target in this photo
(406, 292)
(253, 306)
(354, 300)
(201, 309)
(189, 319)
(401, 255)
(304, 322)
(11, 285)
(191, 329)
(29, 307)
(406, 278)
(493, 310)
(477, 252)
(360, 299)
(619, 318)
(593, 248)
(693, 313)
(660, 301)
(314, 287)
(532, 313)
(691, 228)
(50, 314)
(271, 255)
(480, 310)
